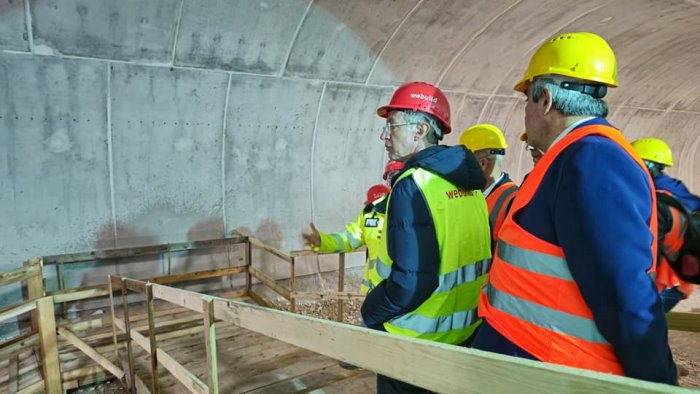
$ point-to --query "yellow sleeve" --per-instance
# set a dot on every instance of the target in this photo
(344, 241)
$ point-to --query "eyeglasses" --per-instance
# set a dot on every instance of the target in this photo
(388, 126)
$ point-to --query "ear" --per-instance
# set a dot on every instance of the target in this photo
(422, 130)
(546, 100)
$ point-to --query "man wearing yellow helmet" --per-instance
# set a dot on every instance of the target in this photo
(489, 146)
(672, 223)
(571, 281)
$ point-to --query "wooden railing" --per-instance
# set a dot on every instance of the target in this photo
(434, 366)
(32, 274)
(43, 330)
(65, 295)
(158, 356)
(291, 293)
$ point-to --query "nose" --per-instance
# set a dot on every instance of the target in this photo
(384, 135)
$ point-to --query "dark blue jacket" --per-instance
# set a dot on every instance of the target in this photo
(678, 190)
(411, 239)
(594, 202)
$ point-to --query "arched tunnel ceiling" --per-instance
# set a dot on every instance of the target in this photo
(482, 47)
(283, 93)
(471, 49)
(465, 46)
(479, 48)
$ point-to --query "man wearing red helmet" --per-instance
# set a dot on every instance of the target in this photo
(364, 230)
(437, 229)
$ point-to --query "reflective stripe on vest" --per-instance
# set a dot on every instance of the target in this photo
(375, 272)
(354, 242)
(534, 261)
(498, 202)
(382, 269)
(449, 314)
(340, 242)
(457, 320)
(532, 299)
(673, 240)
(443, 324)
(575, 326)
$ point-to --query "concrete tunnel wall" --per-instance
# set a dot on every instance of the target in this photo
(137, 122)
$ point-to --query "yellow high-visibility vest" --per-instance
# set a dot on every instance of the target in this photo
(366, 230)
(462, 230)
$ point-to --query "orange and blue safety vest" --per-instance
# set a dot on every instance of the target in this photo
(531, 297)
(498, 202)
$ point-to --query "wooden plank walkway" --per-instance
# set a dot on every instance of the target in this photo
(248, 362)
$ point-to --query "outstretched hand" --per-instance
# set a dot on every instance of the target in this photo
(312, 238)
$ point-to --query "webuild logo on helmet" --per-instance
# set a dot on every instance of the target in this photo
(421, 96)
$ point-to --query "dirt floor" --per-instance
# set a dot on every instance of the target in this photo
(686, 345)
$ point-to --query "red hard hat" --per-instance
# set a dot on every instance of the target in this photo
(376, 191)
(420, 96)
(391, 166)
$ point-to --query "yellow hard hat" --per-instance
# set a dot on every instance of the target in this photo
(654, 149)
(580, 55)
(483, 136)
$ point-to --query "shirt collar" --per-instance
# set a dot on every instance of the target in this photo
(569, 129)
(490, 188)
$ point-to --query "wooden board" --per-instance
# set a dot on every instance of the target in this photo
(438, 367)
(49, 349)
(683, 321)
(90, 352)
(141, 251)
(18, 274)
(262, 245)
(270, 282)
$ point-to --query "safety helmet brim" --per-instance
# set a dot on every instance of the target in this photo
(523, 84)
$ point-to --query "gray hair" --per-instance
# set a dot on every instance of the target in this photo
(435, 133)
(568, 102)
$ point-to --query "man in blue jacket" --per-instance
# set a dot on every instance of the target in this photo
(571, 281)
(657, 156)
(437, 230)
